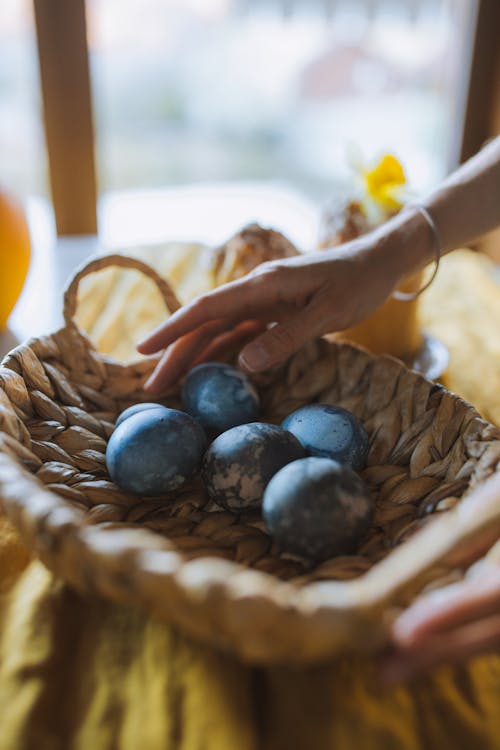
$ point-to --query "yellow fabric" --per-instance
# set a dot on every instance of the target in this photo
(462, 309)
(79, 672)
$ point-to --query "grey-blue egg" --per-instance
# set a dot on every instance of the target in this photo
(330, 432)
(240, 462)
(317, 508)
(219, 397)
(135, 409)
(155, 451)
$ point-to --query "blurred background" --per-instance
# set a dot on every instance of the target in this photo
(181, 119)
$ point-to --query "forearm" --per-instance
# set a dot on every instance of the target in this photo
(465, 206)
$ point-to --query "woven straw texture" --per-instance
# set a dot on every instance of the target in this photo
(213, 573)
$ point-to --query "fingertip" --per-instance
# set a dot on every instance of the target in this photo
(148, 345)
(143, 348)
(254, 358)
(409, 628)
(157, 339)
(426, 616)
(150, 386)
(158, 381)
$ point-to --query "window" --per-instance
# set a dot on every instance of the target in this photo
(23, 162)
(280, 96)
(273, 90)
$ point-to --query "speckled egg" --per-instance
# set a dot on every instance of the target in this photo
(135, 409)
(317, 508)
(155, 451)
(240, 462)
(219, 397)
(330, 432)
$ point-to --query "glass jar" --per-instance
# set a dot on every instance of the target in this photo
(393, 328)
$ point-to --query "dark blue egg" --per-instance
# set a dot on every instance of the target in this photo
(330, 432)
(219, 397)
(155, 451)
(135, 409)
(240, 462)
(317, 508)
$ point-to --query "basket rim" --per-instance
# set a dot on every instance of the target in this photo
(208, 585)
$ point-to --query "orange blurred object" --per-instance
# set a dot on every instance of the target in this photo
(15, 253)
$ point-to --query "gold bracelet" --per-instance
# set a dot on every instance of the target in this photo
(438, 247)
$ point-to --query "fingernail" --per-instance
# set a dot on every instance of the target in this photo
(254, 358)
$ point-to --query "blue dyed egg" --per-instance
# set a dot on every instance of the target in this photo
(135, 409)
(240, 462)
(330, 432)
(317, 508)
(219, 397)
(155, 451)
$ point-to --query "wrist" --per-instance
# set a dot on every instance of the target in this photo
(405, 244)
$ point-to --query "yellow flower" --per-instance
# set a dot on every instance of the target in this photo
(384, 181)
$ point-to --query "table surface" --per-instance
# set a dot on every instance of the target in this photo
(80, 672)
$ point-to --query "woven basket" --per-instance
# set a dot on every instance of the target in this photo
(215, 574)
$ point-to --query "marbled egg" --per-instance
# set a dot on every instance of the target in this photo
(240, 462)
(330, 432)
(155, 451)
(219, 397)
(135, 409)
(317, 508)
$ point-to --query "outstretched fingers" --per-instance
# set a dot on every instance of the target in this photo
(450, 607)
(449, 625)
(239, 300)
(178, 356)
(451, 647)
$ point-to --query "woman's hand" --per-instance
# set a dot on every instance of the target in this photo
(305, 296)
(458, 621)
(447, 626)
(328, 291)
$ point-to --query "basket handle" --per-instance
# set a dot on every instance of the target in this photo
(122, 261)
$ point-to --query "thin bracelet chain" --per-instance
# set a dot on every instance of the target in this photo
(437, 247)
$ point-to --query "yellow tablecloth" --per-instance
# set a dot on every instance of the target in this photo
(83, 673)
